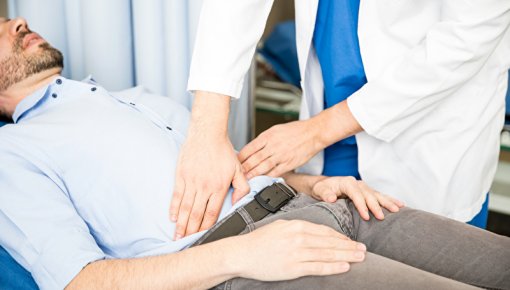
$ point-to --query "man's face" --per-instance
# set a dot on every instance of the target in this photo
(23, 53)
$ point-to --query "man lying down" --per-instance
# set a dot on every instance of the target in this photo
(86, 180)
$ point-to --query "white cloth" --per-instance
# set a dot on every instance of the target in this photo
(434, 102)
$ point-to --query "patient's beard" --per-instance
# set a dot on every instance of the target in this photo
(20, 66)
(5, 117)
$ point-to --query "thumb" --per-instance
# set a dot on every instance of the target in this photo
(325, 194)
(240, 185)
(329, 196)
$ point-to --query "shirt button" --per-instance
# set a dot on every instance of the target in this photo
(54, 95)
(169, 128)
(93, 89)
(132, 104)
(59, 81)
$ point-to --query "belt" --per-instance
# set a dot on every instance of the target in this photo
(267, 201)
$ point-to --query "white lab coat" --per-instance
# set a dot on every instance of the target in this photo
(432, 109)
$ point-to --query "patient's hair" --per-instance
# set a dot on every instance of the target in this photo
(19, 66)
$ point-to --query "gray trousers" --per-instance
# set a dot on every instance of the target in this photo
(410, 249)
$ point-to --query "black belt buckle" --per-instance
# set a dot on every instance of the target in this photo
(273, 197)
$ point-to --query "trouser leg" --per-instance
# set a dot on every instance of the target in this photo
(438, 245)
(376, 272)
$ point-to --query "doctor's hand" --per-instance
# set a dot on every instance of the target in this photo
(329, 189)
(206, 168)
(281, 148)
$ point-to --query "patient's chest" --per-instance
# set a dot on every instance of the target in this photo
(118, 168)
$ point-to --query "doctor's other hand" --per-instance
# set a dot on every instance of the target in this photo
(206, 168)
(281, 148)
(364, 198)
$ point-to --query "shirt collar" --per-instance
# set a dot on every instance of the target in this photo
(35, 98)
(89, 80)
(29, 102)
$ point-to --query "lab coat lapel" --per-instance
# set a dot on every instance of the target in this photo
(306, 13)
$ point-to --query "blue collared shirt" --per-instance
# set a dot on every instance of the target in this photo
(336, 43)
(87, 175)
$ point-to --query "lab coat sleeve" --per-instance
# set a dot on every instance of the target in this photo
(452, 52)
(228, 32)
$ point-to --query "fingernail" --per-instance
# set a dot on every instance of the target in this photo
(361, 247)
(173, 218)
(359, 255)
(344, 266)
(178, 237)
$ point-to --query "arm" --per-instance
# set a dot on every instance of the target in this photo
(329, 189)
(174, 271)
(282, 250)
(206, 168)
(227, 36)
(284, 147)
(226, 40)
(41, 229)
(451, 53)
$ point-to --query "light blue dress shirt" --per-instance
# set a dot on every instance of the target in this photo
(86, 174)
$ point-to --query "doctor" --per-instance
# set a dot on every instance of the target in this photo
(423, 91)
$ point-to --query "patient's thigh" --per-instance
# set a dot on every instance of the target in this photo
(438, 245)
(376, 272)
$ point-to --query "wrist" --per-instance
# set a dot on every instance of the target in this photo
(316, 131)
(234, 257)
(302, 182)
(209, 114)
(340, 123)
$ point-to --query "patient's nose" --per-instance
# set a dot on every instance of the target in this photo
(18, 25)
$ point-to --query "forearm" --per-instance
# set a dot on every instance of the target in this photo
(209, 114)
(302, 183)
(200, 267)
(335, 124)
